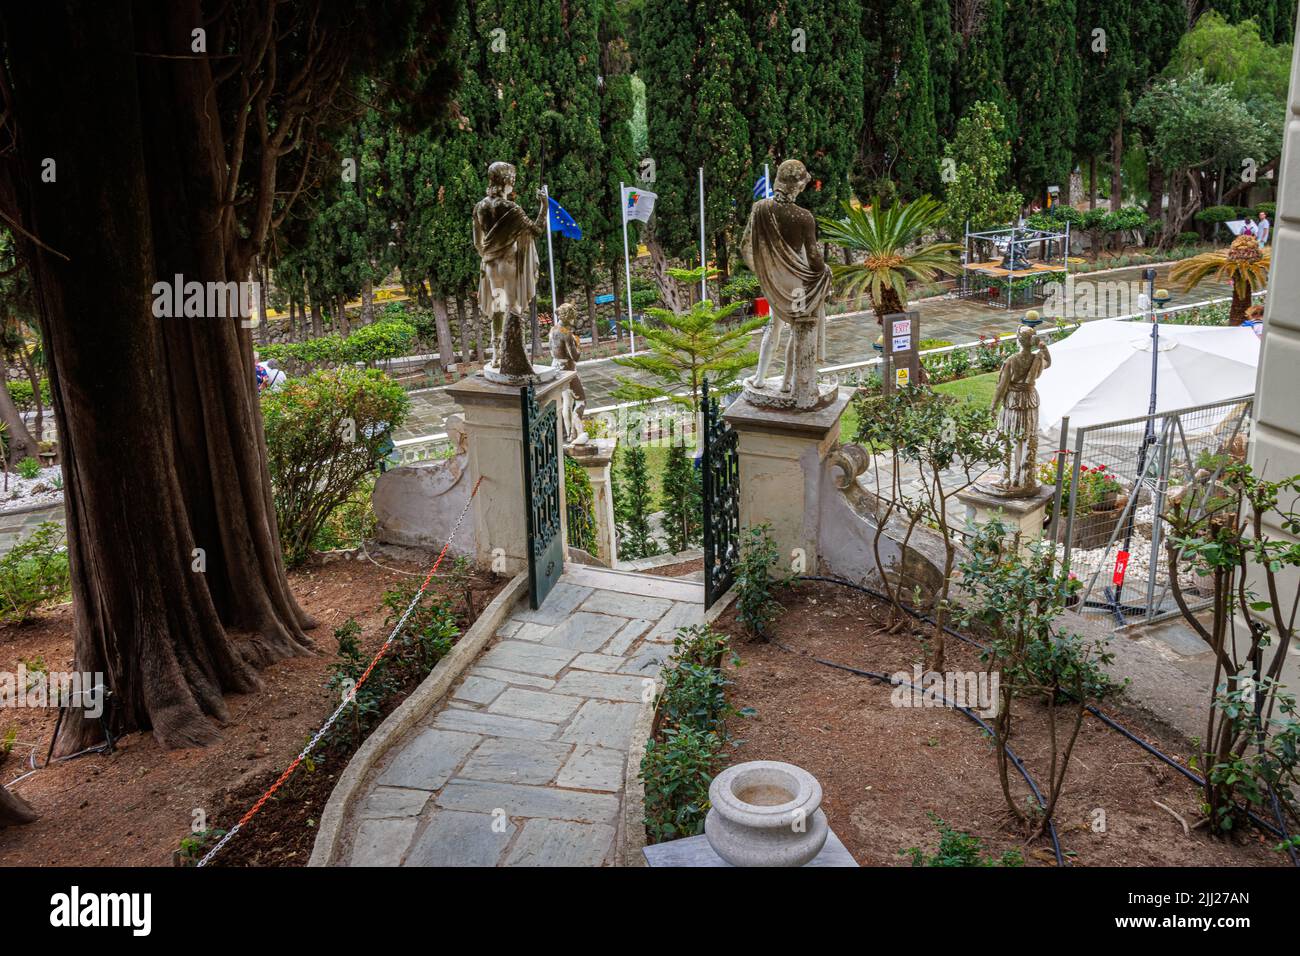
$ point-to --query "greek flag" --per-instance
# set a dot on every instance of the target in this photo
(563, 223)
(761, 189)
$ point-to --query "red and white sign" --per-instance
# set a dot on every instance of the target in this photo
(1121, 565)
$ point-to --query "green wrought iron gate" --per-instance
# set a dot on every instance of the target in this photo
(542, 475)
(720, 463)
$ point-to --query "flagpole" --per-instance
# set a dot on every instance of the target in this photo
(704, 277)
(767, 182)
(627, 262)
(550, 254)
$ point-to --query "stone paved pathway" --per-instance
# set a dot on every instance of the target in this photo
(14, 527)
(524, 762)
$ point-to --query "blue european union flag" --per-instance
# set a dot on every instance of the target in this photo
(563, 223)
(761, 189)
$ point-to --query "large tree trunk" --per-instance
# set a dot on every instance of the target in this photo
(21, 443)
(341, 324)
(317, 323)
(480, 334)
(14, 810)
(670, 290)
(34, 376)
(367, 302)
(1117, 168)
(263, 284)
(178, 584)
(462, 327)
(591, 314)
(446, 351)
(1155, 189)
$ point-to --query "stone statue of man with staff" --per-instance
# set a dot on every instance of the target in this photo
(780, 246)
(503, 236)
(1017, 394)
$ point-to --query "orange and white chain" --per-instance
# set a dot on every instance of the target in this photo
(348, 698)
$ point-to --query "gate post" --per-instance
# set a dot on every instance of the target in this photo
(495, 448)
(782, 455)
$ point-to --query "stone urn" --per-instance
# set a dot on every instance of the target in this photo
(766, 813)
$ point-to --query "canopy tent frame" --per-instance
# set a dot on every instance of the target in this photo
(975, 276)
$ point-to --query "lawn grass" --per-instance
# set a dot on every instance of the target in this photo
(974, 388)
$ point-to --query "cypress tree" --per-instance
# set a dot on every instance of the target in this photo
(635, 492)
(666, 61)
(901, 142)
(981, 62)
(722, 129)
(942, 48)
(1106, 59)
(682, 505)
(1042, 74)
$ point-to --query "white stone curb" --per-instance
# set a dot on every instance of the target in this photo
(411, 710)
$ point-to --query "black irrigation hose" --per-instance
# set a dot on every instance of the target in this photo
(886, 679)
(1279, 831)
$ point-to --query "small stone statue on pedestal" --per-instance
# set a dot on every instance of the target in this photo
(503, 236)
(564, 356)
(780, 246)
(1017, 394)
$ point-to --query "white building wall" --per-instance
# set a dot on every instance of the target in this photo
(1275, 452)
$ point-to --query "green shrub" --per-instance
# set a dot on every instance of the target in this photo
(351, 522)
(677, 771)
(958, 848)
(34, 572)
(742, 285)
(756, 608)
(580, 503)
(1188, 238)
(385, 339)
(28, 468)
(1212, 214)
(20, 390)
(678, 764)
(324, 434)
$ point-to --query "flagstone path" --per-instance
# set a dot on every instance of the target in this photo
(524, 762)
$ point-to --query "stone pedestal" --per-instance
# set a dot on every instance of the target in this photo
(495, 446)
(781, 463)
(1023, 516)
(595, 457)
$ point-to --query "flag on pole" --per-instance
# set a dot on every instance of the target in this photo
(761, 189)
(638, 203)
(563, 223)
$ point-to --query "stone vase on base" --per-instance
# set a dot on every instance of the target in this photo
(766, 813)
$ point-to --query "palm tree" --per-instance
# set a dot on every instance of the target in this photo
(885, 235)
(1244, 264)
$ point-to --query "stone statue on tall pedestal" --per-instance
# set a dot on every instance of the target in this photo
(1017, 394)
(564, 356)
(780, 246)
(503, 236)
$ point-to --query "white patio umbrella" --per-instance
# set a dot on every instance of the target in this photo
(1102, 372)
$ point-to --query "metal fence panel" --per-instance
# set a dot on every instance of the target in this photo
(1123, 476)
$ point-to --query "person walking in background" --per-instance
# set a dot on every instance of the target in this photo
(1265, 228)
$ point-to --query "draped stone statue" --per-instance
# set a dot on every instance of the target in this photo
(780, 246)
(1017, 394)
(564, 356)
(503, 236)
